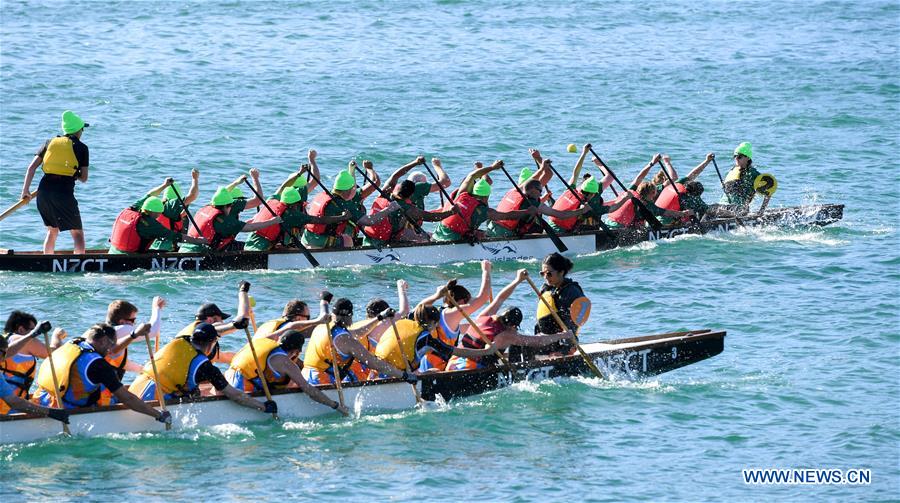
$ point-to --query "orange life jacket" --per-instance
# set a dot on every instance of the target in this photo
(204, 219)
(461, 223)
(274, 231)
(317, 209)
(125, 236)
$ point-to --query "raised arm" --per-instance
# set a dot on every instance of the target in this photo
(289, 181)
(576, 171)
(700, 167)
(469, 181)
(195, 187)
(159, 188)
(667, 165)
(369, 187)
(646, 169)
(255, 201)
(314, 169)
(443, 179)
(402, 298)
(436, 296)
(504, 294)
(400, 173)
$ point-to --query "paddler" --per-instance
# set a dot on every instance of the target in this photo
(513, 200)
(83, 373)
(590, 192)
(501, 330)
(210, 313)
(218, 228)
(472, 200)
(396, 228)
(138, 228)
(241, 203)
(122, 315)
(419, 339)
(349, 199)
(289, 207)
(374, 332)
(317, 362)
(278, 359)
(628, 215)
(174, 213)
(64, 159)
(739, 189)
(12, 399)
(566, 297)
(689, 192)
(182, 366)
(295, 316)
(24, 349)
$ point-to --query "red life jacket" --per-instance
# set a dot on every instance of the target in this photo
(273, 232)
(175, 225)
(204, 219)
(669, 200)
(489, 327)
(625, 215)
(461, 223)
(317, 209)
(384, 230)
(568, 202)
(512, 201)
(125, 236)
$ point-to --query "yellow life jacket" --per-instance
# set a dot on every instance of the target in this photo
(363, 339)
(542, 310)
(173, 362)
(579, 310)
(243, 362)
(59, 159)
(409, 331)
(734, 174)
(71, 374)
(188, 330)
(268, 327)
(318, 352)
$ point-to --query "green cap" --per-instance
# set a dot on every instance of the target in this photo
(72, 123)
(525, 175)
(482, 188)
(237, 192)
(590, 186)
(173, 191)
(344, 181)
(745, 149)
(153, 204)
(301, 181)
(222, 197)
(290, 195)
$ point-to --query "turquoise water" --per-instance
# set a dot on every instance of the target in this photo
(809, 375)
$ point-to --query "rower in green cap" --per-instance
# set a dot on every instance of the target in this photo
(289, 206)
(347, 198)
(138, 227)
(739, 181)
(472, 201)
(218, 228)
(174, 215)
(63, 159)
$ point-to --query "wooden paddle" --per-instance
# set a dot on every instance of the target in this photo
(59, 402)
(544, 225)
(571, 189)
(645, 212)
(405, 361)
(159, 392)
(327, 296)
(306, 253)
(481, 335)
(259, 372)
(563, 327)
(22, 202)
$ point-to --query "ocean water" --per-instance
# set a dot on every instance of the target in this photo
(808, 378)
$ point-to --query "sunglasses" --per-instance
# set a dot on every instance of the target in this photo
(545, 274)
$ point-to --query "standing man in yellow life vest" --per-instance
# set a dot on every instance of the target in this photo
(64, 159)
(279, 361)
(10, 399)
(20, 365)
(82, 374)
(181, 365)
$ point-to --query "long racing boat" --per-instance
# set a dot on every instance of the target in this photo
(433, 253)
(631, 358)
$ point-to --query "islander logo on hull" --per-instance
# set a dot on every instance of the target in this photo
(507, 250)
(377, 259)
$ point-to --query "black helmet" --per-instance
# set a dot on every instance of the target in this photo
(512, 317)
(291, 340)
(204, 333)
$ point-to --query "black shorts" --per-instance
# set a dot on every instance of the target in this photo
(57, 205)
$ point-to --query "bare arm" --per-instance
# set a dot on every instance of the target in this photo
(124, 340)
(23, 405)
(282, 365)
(474, 353)
(83, 178)
(237, 181)
(289, 181)
(159, 188)
(134, 403)
(646, 169)
(255, 201)
(378, 217)
(443, 179)
(350, 345)
(396, 175)
(578, 164)
(29, 175)
(469, 180)
(547, 210)
(504, 294)
(495, 215)
(314, 169)
(436, 296)
(514, 338)
(667, 165)
(195, 187)
(617, 204)
(369, 187)
(700, 167)
(402, 298)
(330, 219)
(255, 226)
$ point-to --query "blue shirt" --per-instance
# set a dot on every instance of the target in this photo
(6, 389)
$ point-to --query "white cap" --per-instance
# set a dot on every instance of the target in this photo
(417, 177)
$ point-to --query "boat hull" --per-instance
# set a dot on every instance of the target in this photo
(624, 358)
(528, 247)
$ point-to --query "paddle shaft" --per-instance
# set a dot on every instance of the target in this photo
(259, 372)
(571, 189)
(187, 211)
(645, 212)
(334, 363)
(481, 335)
(616, 194)
(22, 202)
(65, 427)
(306, 253)
(563, 327)
(159, 392)
(544, 225)
(333, 198)
(387, 196)
(405, 361)
(675, 188)
(721, 180)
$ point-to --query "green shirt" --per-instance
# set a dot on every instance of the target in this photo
(225, 226)
(398, 222)
(334, 208)
(149, 229)
(293, 218)
(419, 195)
(739, 186)
(442, 233)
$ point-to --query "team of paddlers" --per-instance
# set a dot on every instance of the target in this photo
(294, 215)
(466, 332)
